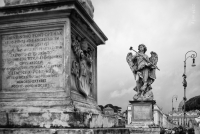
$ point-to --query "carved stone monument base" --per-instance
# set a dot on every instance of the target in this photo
(49, 66)
(55, 120)
(63, 131)
(139, 124)
(142, 114)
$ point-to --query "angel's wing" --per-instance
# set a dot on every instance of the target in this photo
(132, 62)
(154, 58)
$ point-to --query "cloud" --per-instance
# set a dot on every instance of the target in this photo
(2, 3)
(120, 93)
(163, 27)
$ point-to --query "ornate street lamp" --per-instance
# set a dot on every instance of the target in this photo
(173, 97)
(193, 56)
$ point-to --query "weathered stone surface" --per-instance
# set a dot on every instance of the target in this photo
(197, 129)
(142, 110)
(3, 119)
(55, 120)
(37, 53)
(32, 60)
(103, 121)
(144, 130)
(142, 114)
(82, 68)
(80, 131)
(64, 131)
(45, 131)
(87, 4)
(139, 124)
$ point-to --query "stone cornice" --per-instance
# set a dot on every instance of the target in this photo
(48, 9)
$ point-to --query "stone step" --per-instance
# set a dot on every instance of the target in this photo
(64, 131)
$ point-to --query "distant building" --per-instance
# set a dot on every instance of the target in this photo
(197, 121)
(166, 122)
(108, 111)
(120, 117)
(177, 116)
(158, 116)
(161, 119)
(129, 114)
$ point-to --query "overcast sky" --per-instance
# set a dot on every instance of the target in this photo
(168, 27)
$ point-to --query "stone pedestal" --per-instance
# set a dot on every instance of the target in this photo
(142, 114)
(49, 65)
(142, 118)
(144, 130)
(64, 131)
(197, 130)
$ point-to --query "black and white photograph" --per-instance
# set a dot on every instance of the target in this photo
(100, 67)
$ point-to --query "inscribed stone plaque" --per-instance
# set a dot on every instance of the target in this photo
(141, 112)
(32, 60)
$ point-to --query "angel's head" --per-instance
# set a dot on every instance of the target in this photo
(142, 48)
(153, 54)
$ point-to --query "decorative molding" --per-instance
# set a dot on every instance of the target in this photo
(77, 20)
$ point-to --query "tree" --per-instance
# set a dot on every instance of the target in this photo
(108, 105)
(193, 104)
(115, 108)
(101, 107)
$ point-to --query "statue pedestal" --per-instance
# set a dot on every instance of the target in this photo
(142, 114)
(142, 118)
(41, 45)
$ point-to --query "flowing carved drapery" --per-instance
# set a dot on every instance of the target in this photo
(82, 65)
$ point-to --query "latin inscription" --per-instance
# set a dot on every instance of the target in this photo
(141, 112)
(32, 60)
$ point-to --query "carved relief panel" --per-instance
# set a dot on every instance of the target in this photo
(82, 66)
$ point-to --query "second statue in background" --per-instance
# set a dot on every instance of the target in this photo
(143, 69)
